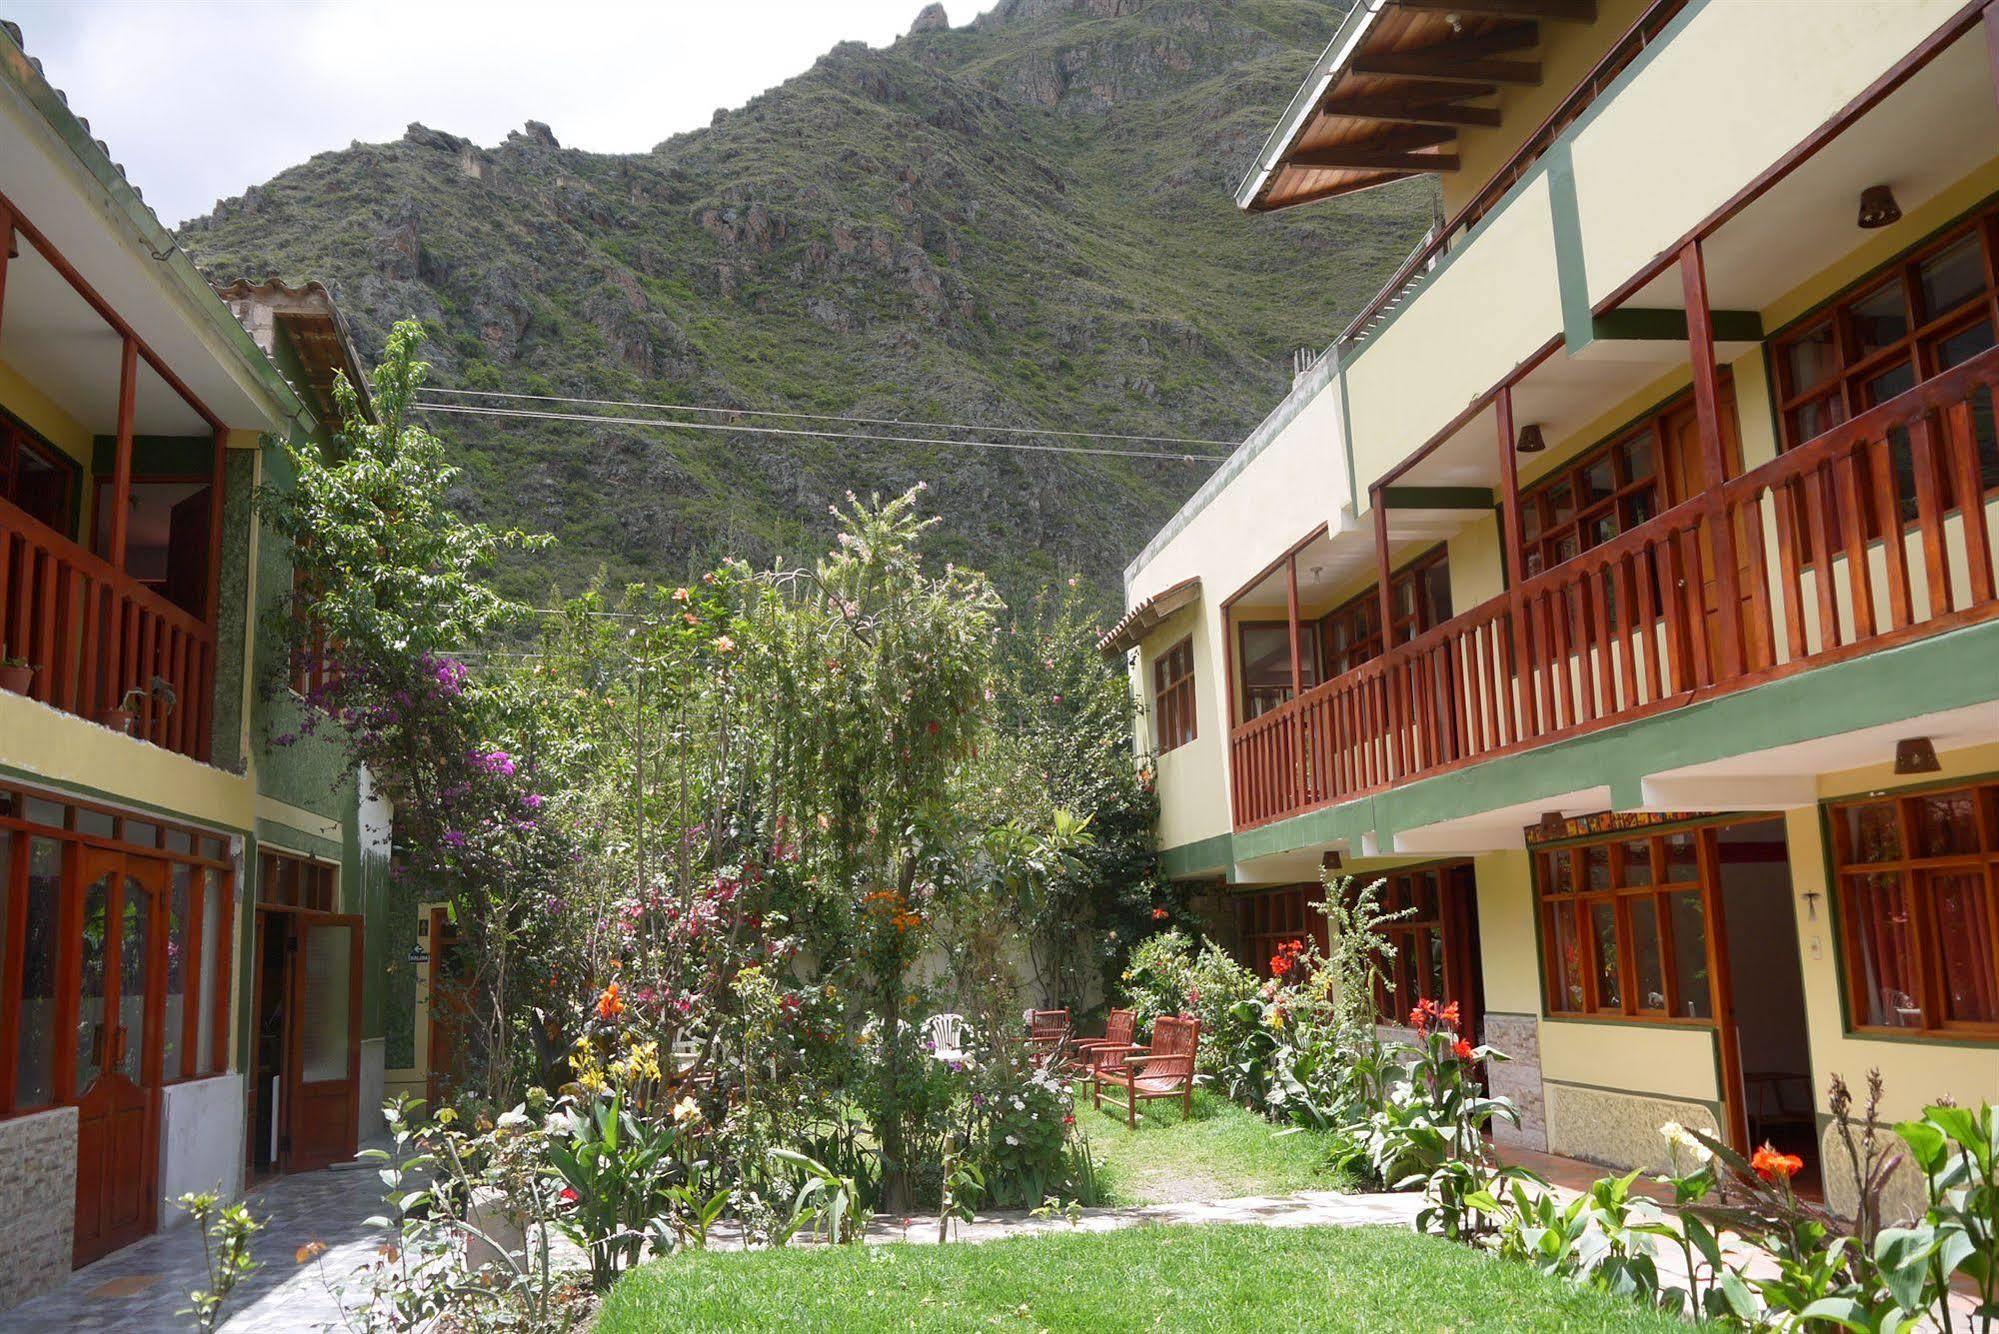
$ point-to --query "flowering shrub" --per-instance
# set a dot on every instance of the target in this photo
(1027, 1129)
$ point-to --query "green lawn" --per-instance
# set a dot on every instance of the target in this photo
(1166, 1278)
(1223, 1151)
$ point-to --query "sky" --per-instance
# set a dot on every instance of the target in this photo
(200, 99)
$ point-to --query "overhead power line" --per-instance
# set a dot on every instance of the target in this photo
(1022, 446)
(833, 417)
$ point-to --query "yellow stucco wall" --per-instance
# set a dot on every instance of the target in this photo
(39, 411)
(1426, 366)
(46, 743)
(1658, 158)
(1193, 792)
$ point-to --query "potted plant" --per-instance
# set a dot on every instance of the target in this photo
(15, 673)
(126, 714)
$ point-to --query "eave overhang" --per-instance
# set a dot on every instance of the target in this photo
(1147, 614)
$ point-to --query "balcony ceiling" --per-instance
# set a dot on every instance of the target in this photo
(61, 347)
(1932, 132)
(1389, 96)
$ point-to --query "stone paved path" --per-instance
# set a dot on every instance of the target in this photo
(137, 1290)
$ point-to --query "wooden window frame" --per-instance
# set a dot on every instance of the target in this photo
(1268, 918)
(1392, 1001)
(1173, 715)
(1915, 870)
(1278, 694)
(17, 436)
(201, 856)
(314, 888)
(1539, 534)
(1549, 902)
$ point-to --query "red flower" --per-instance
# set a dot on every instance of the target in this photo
(1774, 1166)
(569, 1195)
(1461, 1049)
(609, 1005)
(1280, 964)
(1159, 914)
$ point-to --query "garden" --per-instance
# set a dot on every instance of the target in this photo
(789, 895)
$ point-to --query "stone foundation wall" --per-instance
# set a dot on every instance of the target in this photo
(1619, 1130)
(1904, 1197)
(38, 1182)
(1518, 1078)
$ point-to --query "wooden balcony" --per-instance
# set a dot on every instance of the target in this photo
(1775, 572)
(93, 634)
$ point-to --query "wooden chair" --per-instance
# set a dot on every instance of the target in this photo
(1119, 1030)
(1165, 1069)
(1047, 1038)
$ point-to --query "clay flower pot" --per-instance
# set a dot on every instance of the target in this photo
(118, 720)
(16, 679)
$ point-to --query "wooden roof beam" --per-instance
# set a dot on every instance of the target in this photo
(1361, 157)
(1567, 11)
(1408, 112)
(1422, 65)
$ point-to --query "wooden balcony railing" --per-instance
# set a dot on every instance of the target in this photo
(1639, 624)
(93, 634)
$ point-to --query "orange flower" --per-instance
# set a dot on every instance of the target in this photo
(1774, 1166)
(610, 1005)
(1159, 914)
(1461, 1049)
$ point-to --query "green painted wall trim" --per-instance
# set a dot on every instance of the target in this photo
(298, 840)
(1650, 324)
(1437, 497)
(171, 455)
(1204, 856)
(1571, 270)
(1947, 671)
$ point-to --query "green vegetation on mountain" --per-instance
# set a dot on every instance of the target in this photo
(1024, 221)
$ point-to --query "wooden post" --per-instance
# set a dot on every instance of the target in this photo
(1378, 503)
(121, 468)
(1509, 487)
(1291, 612)
(217, 479)
(1707, 412)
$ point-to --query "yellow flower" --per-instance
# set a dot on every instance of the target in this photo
(686, 1112)
(446, 1116)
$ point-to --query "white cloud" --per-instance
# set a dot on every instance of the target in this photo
(200, 99)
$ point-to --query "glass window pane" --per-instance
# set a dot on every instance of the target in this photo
(98, 824)
(1963, 905)
(1596, 866)
(1683, 865)
(1561, 505)
(1873, 833)
(37, 811)
(1880, 318)
(214, 849)
(1810, 359)
(1645, 955)
(1690, 976)
(142, 832)
(1813, 419)
(179, 840)
(1603, 930)
(135, 969)
(1433, 972)
(1634, 458)
(179, 901)
(327, 980)
(1883, 951)
(1598, 481)
(212, 892)
(1951, 277)
(1898, 379)
(1963, 345)
(93, 1025)
(1639, 507)
(1558, 872)
(1635, 863)
(1567, 547)
(1947, 824)
(41, 943)
(1426, 896)
(1568, 959)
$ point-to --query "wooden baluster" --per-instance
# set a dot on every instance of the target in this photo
(1630, 628)
(1546, 720)
(1694, 596)
(1673, 611)
(149, 628)
(1961, 445)
(1560, 611)
(1853, 527)
(62, 688)
(43, 636)
(1785, 500)
(1815, 523)
(1929, 515)
(1647, 577)
(1759, 635)
(128, 648)
(1879, 479)
(1478, 734)
(1597, 610)
(6, 568)
(1522, 654)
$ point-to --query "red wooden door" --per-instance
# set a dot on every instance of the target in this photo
(117, 1050)
(323, 1055)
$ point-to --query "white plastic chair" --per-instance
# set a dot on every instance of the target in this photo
(947, 1036)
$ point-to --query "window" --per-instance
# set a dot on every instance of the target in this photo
(1624, 926)
(1266, 664)
(1608, 490)
(1173, 695)
(56, 972)
(1932, 309)
(1272, 918)
(1419, 597)
(285, 880)
(1433, 945)
(35, 477)
(1918, 885)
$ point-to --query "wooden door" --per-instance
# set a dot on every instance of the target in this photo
(117, 1039)
(1687, 477)
(322, 1078)
(449, 1011)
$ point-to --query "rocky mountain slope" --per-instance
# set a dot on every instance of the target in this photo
(1021, 221)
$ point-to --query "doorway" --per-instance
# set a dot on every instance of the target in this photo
(305, 1059)
(117, 1049)
(1767, 993)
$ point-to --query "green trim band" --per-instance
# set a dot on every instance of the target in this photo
(1437, 497)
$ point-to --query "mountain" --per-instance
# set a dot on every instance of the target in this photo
(1024, 221)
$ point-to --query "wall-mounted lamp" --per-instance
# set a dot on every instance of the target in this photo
(1331, 861)
(1553, 823)
(1915, 755)
(1878, 207)
(1531, 441)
